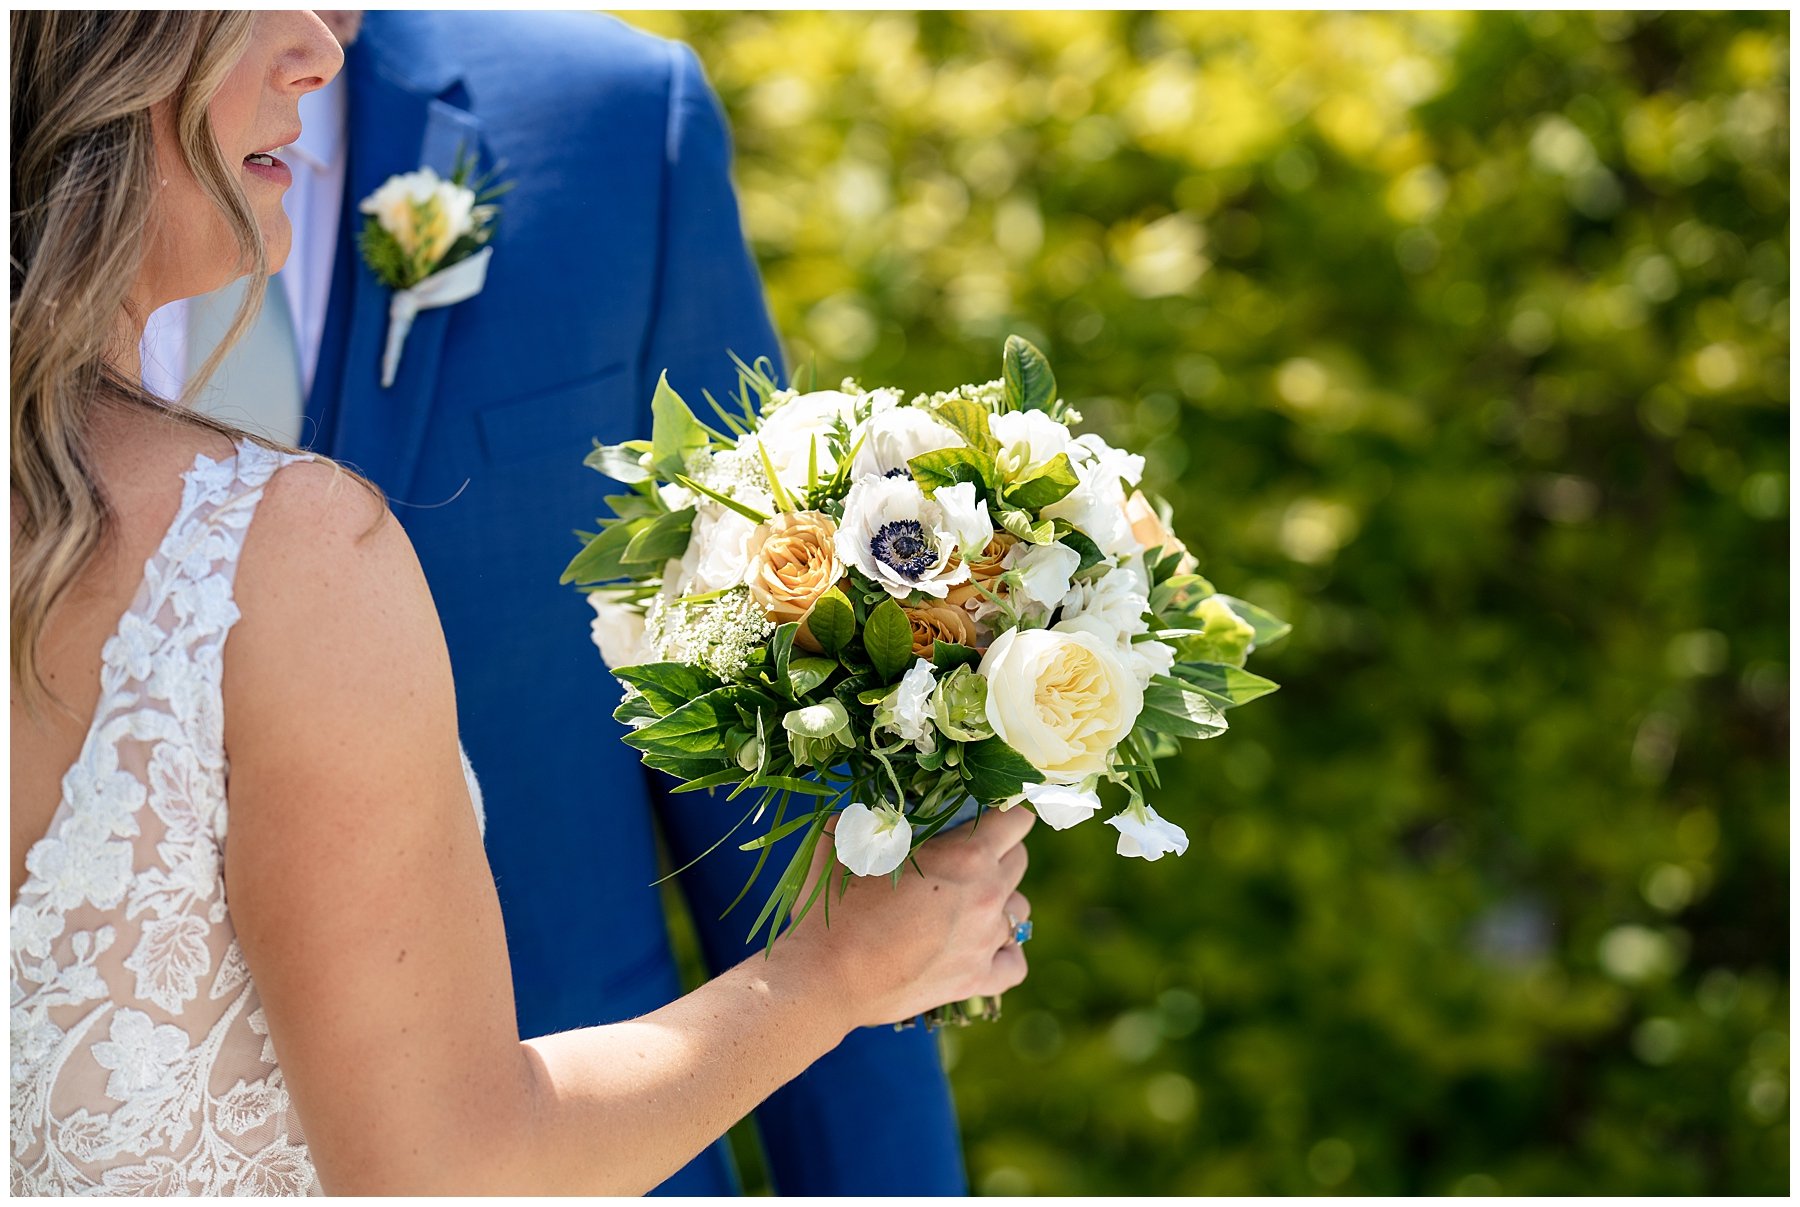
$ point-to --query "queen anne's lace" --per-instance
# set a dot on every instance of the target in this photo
(140, 1058)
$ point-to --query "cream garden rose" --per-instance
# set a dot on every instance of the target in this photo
(1063, 700)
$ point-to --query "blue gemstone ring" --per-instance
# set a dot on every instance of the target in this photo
(1021, 931)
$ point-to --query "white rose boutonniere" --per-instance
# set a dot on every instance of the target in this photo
(426, 239)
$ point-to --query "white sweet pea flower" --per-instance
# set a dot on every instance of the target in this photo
(1044, 571)
(425, 213)
(618, 630)
(899, 538)
(872, 842)
(1030, 437)
(1097, 505)
(1144, 835)
(906, 711)
(1112, 608)
(965, 516)
(1060, 805)
(895, 435)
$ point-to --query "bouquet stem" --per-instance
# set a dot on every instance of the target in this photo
(956, 1014)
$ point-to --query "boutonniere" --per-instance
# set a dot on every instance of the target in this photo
(426, 239)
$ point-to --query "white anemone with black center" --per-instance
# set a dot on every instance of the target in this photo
(902, 540)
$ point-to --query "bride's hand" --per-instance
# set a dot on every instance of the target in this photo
(901, 949)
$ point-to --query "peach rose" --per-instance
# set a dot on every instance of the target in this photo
(934, 621)
(1152, 533)
(792, 561)
(983, 569)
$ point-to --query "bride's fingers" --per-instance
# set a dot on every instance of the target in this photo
(1018, 909)
(1004, 831)
(1013, 864)
(1007, 970)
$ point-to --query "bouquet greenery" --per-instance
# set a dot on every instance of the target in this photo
(846, 600)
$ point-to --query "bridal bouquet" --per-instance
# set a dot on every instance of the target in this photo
(851, 600)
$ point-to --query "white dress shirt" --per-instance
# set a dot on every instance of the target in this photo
(313, 204)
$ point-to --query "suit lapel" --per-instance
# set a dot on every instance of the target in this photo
(396, 125)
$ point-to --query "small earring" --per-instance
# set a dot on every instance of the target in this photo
(165, 183)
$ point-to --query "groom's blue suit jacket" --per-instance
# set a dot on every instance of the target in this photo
(618, 255)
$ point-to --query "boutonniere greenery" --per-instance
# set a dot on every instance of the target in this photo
(426, 238)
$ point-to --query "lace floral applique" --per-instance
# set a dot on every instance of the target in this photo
(141, 1062)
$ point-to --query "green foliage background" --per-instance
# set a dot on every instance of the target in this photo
(1461, 341)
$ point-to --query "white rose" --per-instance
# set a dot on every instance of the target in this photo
(895, 435)
(802, 422)
(1063, 700)
(899, 538)
(1144, 835)
(872, 842)
(718, 550)
(1060, 805)
(618, 630)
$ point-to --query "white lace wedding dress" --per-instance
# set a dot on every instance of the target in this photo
(141, 1059)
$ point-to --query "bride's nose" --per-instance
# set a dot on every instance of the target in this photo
(312, 56)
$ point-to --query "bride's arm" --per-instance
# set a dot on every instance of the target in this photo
(362, 897)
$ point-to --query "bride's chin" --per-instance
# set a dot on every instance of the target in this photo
(278, 240)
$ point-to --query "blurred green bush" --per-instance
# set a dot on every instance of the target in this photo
(1462, 342)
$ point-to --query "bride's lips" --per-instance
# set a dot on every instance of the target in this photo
(264, 166)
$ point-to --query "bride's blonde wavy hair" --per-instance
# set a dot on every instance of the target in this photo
(84, 178)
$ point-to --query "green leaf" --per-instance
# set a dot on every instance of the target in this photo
(635, 708)
(783, 500)
(619, 461)
(634, 506)
(1090, 553)
(788, 783)
(748, 512)
(1030, 385)
(601, 560)
(663, 538)
(948, 466)
(832, 621)
(947, 656)
(1269, 629)
(888, 639)
(970, 421)
(686, 768)
(781, 650)
(697, 728)
(1179, 709)
(668, 685)
(777, 834)
(1230, 684)
(1183, 590)
(1019, 524)
(995, 771)
(1048, 484)
(729, 775)
(805, 674)
(674, 432)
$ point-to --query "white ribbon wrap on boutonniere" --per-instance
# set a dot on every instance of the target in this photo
(446, 287)
(426, 238)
